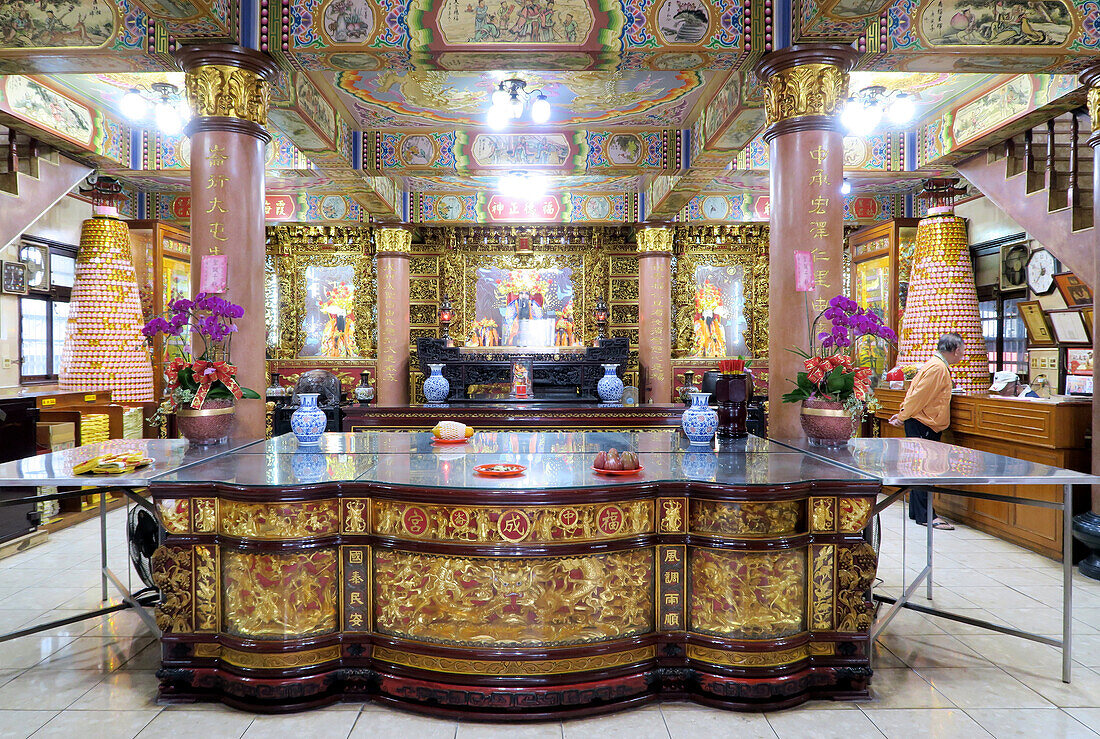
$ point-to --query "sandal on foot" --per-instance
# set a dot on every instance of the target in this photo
(942, 525)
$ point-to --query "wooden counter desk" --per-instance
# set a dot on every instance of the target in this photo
(1052, 432)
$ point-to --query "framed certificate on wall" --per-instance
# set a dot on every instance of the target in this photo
(1038, 328)
(1069, 327)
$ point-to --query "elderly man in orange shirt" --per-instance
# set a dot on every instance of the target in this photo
(926, 412)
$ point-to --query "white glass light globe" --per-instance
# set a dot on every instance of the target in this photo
(859, 118)
(540, 109)
(168, 119)
(902, 109)
(516, 107)
(134, 106)
(500, 97)
(183, 111)
(498, 117)
(846, 187)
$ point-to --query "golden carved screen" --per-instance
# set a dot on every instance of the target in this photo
(296, 256)
(744, 247)
(584, 250)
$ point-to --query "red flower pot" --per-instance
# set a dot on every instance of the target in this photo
(825, 422)
(210, 424)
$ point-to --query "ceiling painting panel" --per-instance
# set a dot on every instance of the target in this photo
(56, 36)
(442, 99)
(496, 34)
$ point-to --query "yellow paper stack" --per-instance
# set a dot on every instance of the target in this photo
(94, 427)
(133, 423)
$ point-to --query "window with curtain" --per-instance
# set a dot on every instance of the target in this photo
(44, 312)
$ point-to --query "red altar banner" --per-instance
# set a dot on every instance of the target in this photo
(276, 207)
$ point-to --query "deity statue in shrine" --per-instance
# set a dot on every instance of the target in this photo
(523, 303)
(338, 336)
(485, 333)
(710, 312)
(564, 328)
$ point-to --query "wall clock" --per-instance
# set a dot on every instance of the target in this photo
(37, 259)
(14, 278)
(1040, 272)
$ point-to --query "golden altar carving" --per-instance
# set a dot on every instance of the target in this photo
(744, 246)
(548, 600)
(291, 251)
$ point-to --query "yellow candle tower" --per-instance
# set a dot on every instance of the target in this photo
(943, 299)
(104, 347)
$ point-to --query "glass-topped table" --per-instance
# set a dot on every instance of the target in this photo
(944, 469)
(386, 552)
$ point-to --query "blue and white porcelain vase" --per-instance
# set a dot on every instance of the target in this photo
(436, 386)
(699, 421)
(610, 387)
(309, 421)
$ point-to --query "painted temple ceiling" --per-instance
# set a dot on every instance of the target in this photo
(444, 99)
(382, 102)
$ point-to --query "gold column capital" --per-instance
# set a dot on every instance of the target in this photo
(655, 239)
(1094, 104)
(392, 241)
(808, 84)
(229, 83)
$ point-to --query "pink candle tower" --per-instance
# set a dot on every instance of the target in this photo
(943, 299)
(104, 347)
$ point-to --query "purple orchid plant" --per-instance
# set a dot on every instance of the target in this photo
(210, 374)
(849, 323)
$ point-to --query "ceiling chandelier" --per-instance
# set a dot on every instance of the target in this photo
(865, 110)
(523, 185)
(164, 107)
(509, 101)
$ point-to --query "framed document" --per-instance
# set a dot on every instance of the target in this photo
(1069, 327)
(1038, 328)
(1074, 292)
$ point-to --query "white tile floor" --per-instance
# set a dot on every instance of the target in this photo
(932, 677)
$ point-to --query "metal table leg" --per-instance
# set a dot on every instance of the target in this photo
(1067, 581)
(103, 544)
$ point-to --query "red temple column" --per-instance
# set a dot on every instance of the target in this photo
(804, 91)
(227, 88)
(1087, 525)
(655, 313)
(392, 246)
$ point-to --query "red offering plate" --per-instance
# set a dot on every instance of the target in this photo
(450, 441)
(500, 470)
(598, 471)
